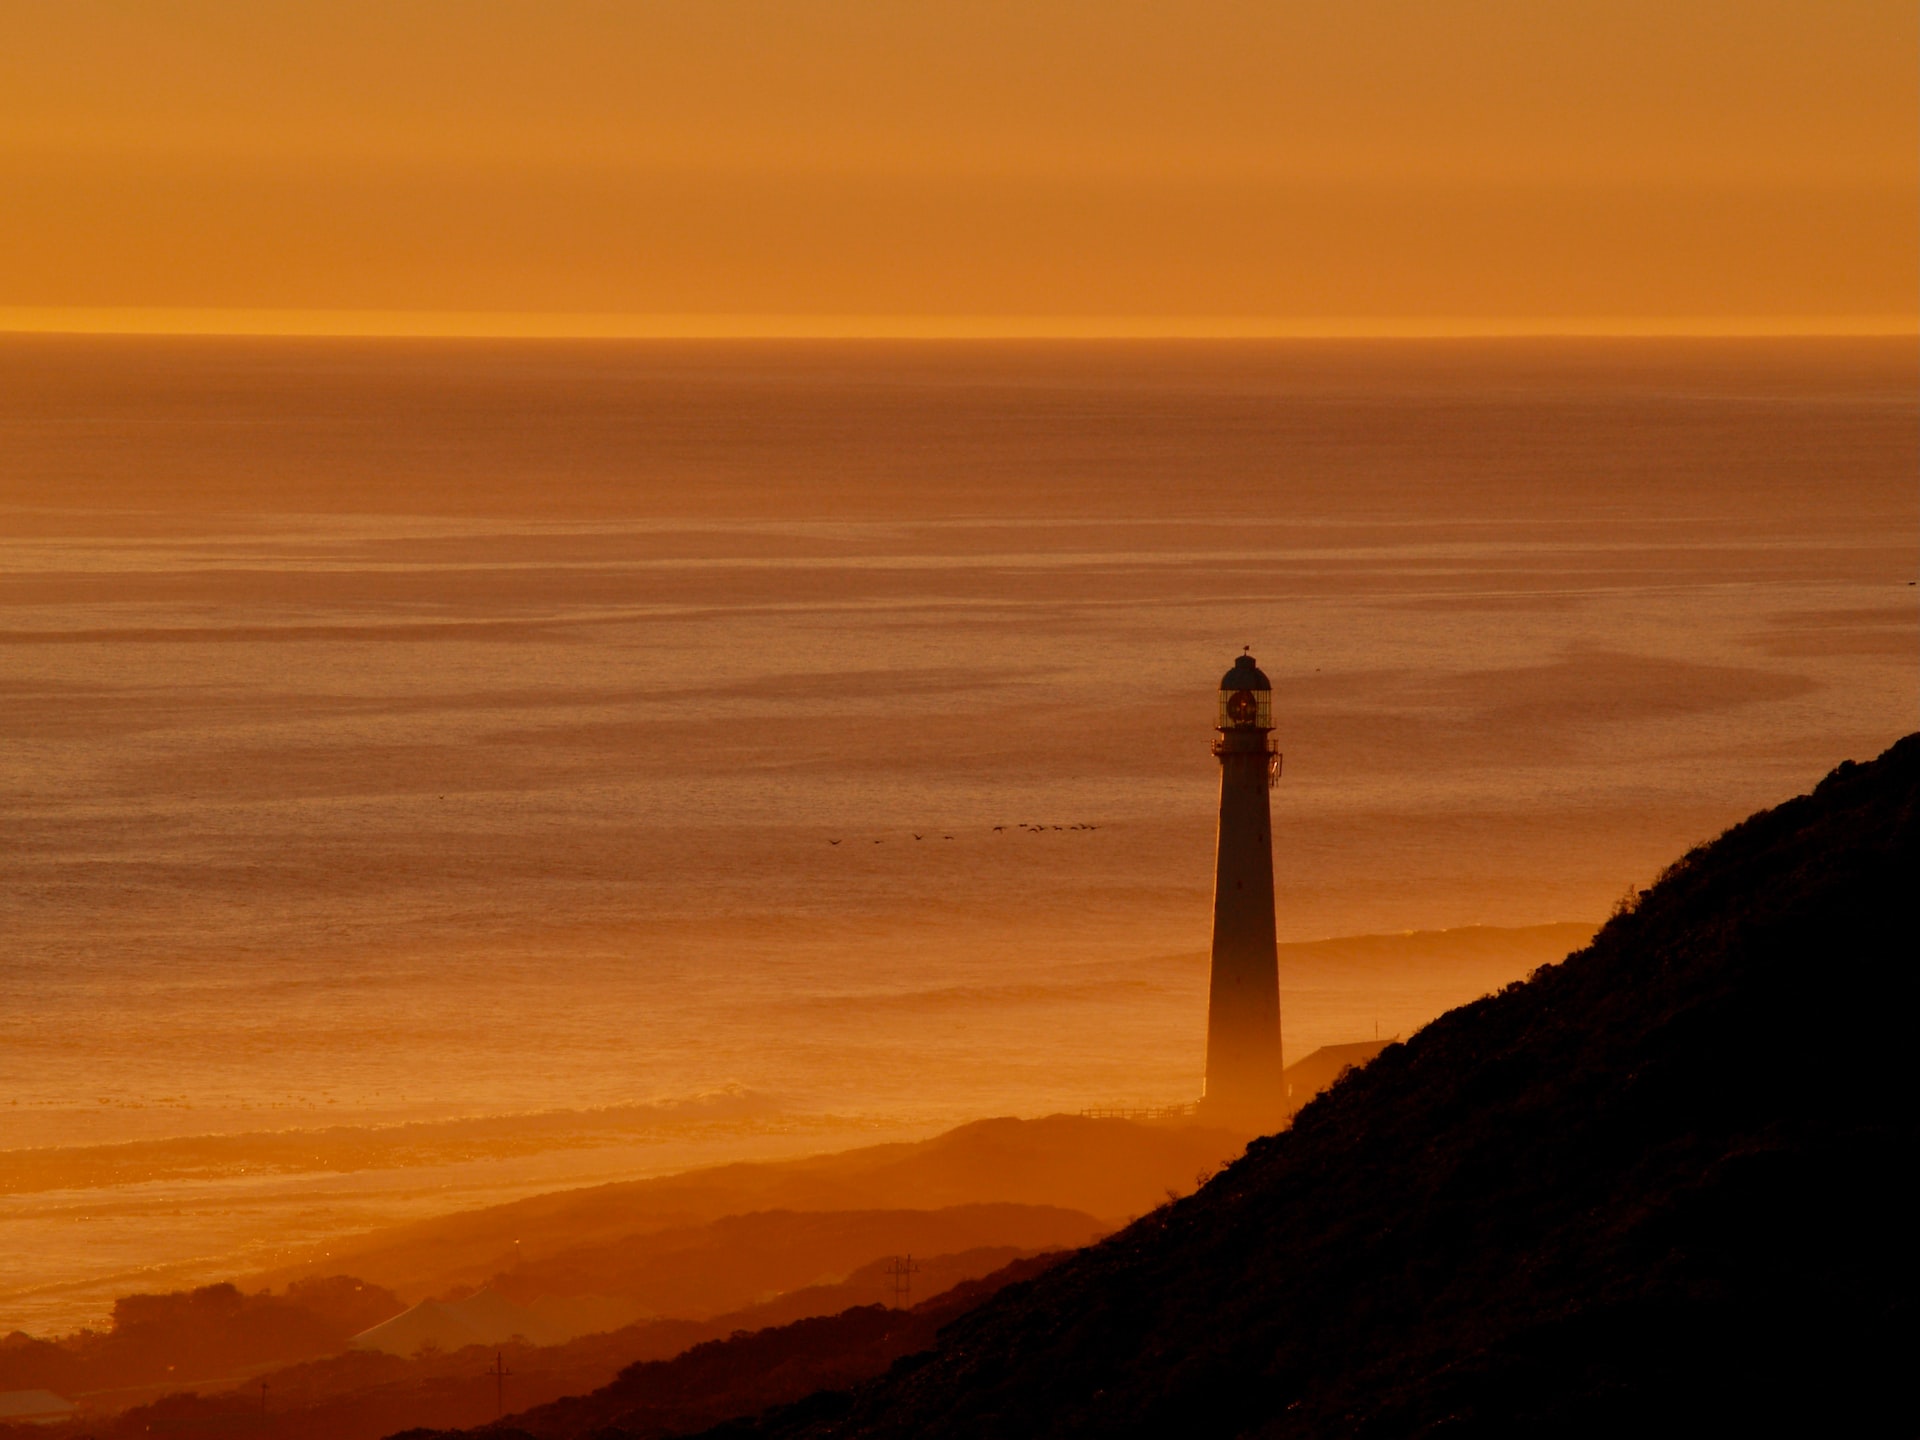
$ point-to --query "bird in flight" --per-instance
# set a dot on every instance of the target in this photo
(998, 829)
(919, 837)
(833, 842)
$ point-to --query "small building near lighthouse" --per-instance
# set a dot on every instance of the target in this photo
(1245, 1087)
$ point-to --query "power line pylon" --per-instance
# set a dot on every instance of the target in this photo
(902, 1269)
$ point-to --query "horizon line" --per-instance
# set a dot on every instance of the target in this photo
(611, 325)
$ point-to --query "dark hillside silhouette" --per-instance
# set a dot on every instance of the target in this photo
(1655, 1186)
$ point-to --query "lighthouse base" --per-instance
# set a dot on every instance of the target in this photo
(1252, 1115)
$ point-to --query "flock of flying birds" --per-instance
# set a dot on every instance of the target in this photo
(997, 829)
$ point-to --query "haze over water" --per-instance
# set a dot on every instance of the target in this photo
(406, 732)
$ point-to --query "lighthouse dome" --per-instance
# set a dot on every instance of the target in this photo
(1245, 675)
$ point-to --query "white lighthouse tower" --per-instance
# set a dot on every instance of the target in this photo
(1244, 1085)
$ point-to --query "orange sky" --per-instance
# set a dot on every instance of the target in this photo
(960, 166)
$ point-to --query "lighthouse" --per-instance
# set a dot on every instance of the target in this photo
(1244, 1086)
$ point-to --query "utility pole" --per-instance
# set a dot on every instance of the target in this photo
(499, 1373)
(902, 1268)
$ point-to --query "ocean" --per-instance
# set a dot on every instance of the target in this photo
(433, 772)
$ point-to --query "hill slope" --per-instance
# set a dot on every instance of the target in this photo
(751, 1369)
(1107, 1168)
(656, 1378)
(1654, 1185)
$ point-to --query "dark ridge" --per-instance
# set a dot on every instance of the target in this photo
(1654, 1187)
